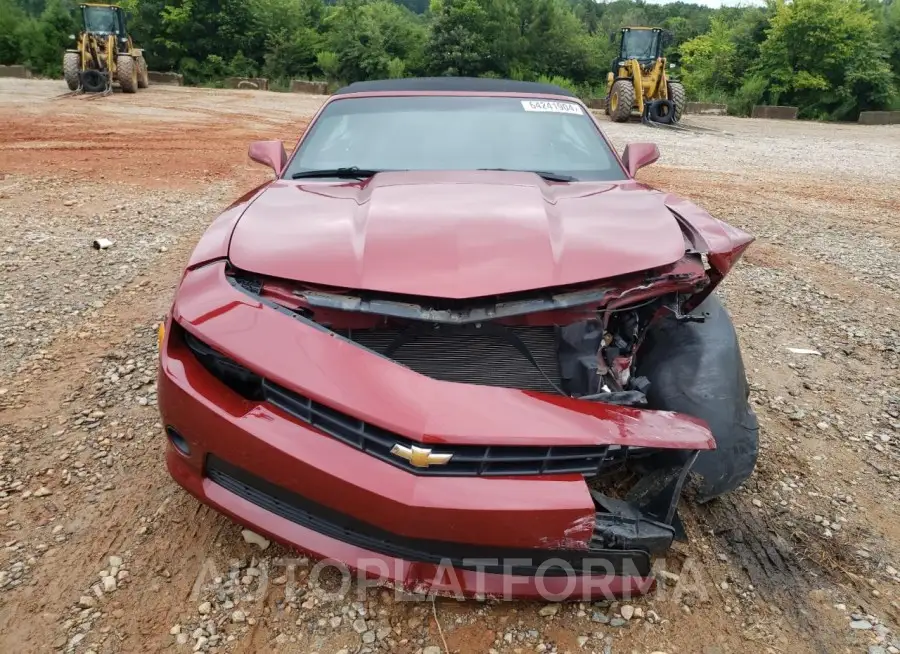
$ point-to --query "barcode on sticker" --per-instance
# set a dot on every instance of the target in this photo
(552, 106)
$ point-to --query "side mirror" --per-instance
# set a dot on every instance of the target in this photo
(638, 155)
(269, 153)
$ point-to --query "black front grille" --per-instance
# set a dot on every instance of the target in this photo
(471, 355)
(466, 460)
(324, 520)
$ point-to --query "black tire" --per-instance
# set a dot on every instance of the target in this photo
(621, 100)
(661, 111)
(143, 76)
(676, 95)
(71, 66)
(93, 81)
(697, 369)
(127, 73)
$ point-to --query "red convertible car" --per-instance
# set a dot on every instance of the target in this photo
(456, 347)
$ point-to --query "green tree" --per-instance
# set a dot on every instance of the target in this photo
(11, 18)
(293, 29)
(825, 57)
(552, 41)
(43, 40)
(459, 41)
(474, 37)
(708, 62)
(891, 22)
(293, 54)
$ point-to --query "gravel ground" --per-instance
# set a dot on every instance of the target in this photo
(103, 553)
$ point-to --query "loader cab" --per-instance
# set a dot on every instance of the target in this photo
(104, 20)
(645, 44)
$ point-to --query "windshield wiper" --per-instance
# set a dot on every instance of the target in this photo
(351, 172)
(549, 176)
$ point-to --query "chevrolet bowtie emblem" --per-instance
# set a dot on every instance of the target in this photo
(420, 457)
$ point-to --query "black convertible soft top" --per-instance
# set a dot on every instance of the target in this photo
(456, 84)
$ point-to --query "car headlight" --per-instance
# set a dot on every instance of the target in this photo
(242, 381)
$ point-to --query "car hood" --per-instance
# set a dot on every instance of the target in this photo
(454, 235)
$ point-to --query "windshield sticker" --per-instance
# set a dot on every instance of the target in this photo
(552, 106)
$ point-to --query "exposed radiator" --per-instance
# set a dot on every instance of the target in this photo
(473, 358)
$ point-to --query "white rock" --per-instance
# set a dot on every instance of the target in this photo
(204, 608)
(43, 491)
(115, 561)
(255, 539)
(174, 631)
(432, 649)
(109, 584)
(627, 611)
(238, 616)
(757, 503)
(582, 641)
(549, 610)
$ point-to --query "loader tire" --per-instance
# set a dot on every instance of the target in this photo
(127, 73)
(676, 95)
(621, 100)
(71, 66)
(661, 111)
(143, 76)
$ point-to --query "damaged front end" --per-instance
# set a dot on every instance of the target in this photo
(578, 342)
(581, 344)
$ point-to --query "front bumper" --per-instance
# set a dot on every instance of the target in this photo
(538, 536)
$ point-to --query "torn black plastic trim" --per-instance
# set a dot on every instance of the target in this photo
(488, 311)
(647, 519)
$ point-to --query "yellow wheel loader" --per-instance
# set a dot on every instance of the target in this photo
(638, 82)
(104, 54)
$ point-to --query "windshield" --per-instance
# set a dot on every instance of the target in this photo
(100, 19)
(639, 44)
(456, 133)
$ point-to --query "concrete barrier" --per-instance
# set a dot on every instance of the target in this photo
(15, 71)
(706, 108)
(773, 111)
(879, 118)
(597, 103)
(251, 83)
(302, 86)
(172, 79)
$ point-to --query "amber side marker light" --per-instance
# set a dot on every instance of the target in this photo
(160, 335)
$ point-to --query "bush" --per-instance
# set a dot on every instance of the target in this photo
(329, 64)
(396, 68)
(561, 82)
